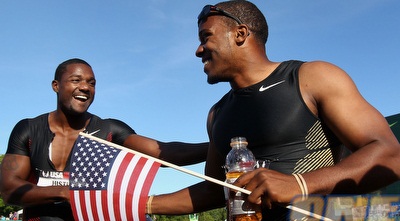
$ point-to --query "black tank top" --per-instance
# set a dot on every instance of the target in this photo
(282, 132)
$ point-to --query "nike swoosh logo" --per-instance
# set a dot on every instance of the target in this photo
(393, 124)
(262, 88)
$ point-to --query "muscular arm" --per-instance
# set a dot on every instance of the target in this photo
(16, 171)
(174, 152)
(330, 93)
(178, 153)
(359, 126)
(15, 188)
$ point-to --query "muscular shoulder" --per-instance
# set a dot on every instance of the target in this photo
(322, 73)
(109, 122)
(111, 129)
(321, 80)
(21, 134)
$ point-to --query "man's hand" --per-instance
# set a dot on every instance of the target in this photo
(269, 187)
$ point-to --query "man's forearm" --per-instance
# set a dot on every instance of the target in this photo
(197, 198)
(30, 194)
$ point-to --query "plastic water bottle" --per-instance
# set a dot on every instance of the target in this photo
(238, 161)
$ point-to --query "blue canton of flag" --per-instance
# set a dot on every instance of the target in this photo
(91, 165)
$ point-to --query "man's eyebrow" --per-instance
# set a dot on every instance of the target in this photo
(203, 32)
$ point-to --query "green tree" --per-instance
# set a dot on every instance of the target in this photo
(211, 215)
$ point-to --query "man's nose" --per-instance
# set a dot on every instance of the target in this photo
(199, 51)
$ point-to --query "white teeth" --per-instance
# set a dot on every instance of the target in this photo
(81, 97)
(206, 62)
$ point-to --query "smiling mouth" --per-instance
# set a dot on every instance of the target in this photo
(206, 59)
(81, 97)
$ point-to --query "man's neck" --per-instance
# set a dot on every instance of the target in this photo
(66, 122)
(254, 73)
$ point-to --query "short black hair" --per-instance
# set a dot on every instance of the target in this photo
(63, 67)
(250, 15)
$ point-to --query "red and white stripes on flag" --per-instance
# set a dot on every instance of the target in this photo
(107, 183)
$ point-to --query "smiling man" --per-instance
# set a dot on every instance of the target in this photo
(35, 169)
(295, 115)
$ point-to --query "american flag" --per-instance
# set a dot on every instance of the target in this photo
(107, 183)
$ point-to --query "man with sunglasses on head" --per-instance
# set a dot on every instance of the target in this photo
(296, 117)
(35, 168)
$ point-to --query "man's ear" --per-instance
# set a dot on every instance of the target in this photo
(54, 85)
(242, 32)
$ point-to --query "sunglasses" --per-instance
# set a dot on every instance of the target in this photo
(211, 9)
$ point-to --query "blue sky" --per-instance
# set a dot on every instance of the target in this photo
(147, 74)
